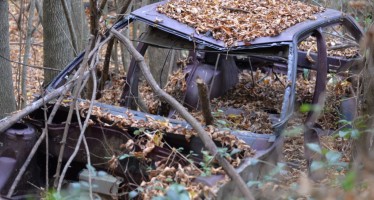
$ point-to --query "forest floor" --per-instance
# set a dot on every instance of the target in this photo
(293, 152)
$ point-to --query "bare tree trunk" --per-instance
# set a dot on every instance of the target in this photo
(27, 53)
(58, 49)
(80, 23)
(160, 63)
(7, 99)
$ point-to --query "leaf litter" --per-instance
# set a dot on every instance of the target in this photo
(235, 21)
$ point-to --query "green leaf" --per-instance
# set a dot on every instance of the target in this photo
(349, 181)
(177, 192)
(136, 132)
(333, 157)
(305, 108)
(223, 152)
(133, 194)
(355, 134)
(345, 122)
(123, 156)
(316, 165)
(235, 151)
(343, 134)
(314, 147)
(56, 195)
(306, 73)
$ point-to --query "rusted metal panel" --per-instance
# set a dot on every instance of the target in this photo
(16, 144)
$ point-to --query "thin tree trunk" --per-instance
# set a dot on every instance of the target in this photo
(19, 67)
(27, 53)
(7, 99)
(57, 47)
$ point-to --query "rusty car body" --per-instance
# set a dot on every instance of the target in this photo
(281, 52)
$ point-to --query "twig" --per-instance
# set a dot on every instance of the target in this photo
(214, 77)
(70, 114)
(252, 76)
(83, 129)
(87, 150)
(39, 9)
(32, 66)
(207, 140)
(46, 143)
(234, 9)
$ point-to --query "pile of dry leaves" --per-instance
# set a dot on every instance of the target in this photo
(233, 21)
(171, 169)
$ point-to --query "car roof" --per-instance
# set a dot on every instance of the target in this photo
(150, 16)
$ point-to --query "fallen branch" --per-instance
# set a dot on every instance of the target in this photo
(207, 140)
(9, 121)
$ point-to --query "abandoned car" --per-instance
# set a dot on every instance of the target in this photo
(254, 90)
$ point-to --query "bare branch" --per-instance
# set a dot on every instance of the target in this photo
(70, 114)
(207, 140)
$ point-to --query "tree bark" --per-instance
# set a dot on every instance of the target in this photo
(80, 23)
(161, 61)
(27, 54)
(73, 35)
(7, 99)
(58, 49)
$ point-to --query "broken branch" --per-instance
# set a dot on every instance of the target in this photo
(204, 101)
